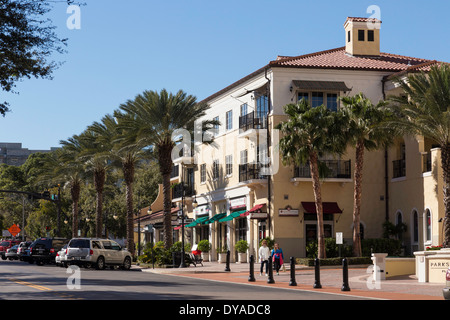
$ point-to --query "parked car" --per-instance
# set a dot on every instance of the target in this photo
(60, 258)
(44, 250)
(447, 283)
(96, 252)
(5, 245)
(21, 251)
(11, 253)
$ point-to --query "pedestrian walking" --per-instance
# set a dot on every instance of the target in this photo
(277, 257)
(264, 255)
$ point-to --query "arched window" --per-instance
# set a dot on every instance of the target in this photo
(428, 224)
(415, 223)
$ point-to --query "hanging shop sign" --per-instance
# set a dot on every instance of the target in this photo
(238, 203)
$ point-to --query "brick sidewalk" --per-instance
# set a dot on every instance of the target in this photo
(397, 288)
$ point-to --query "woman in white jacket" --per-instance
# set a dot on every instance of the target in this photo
(264, 255)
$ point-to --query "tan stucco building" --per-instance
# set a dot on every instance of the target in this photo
(242, 189)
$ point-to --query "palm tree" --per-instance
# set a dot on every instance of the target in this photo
(64, 167)
(425, 110)
(308, 134)
(364, 132)
(92, 154)
(151, 119)
(122, 151)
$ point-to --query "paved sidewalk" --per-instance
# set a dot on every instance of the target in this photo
(331, 278)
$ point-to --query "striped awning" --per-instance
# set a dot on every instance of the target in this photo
(232, 215)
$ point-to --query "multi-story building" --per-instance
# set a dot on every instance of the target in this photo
(244, 192)
(13, 153)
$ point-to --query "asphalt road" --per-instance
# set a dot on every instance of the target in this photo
(22, 281)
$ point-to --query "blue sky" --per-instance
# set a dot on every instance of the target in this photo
(126, 47)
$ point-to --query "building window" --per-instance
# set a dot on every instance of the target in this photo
(332, 101)
(244, 157)
(349, 37)
(241, 229)
(244, 109)
(361, 35)
(371, 36)
(229, 120)
(303, 95)
(216, 172)
(428, 225)
(316, 99)
(262, 107)
(229, 165)
(203, 173)
(415, 227)
(216, 126)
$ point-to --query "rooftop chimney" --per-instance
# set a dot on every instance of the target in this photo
(362, 36)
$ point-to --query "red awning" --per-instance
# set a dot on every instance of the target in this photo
(254, 209)
(328, 207)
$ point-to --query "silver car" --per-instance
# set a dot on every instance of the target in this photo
(97, 252)
(60, 258)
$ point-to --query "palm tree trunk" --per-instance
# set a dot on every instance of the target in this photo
(99, 183)
(313, 164)
(128, 173)
(165, 167)
(75, 194)
(445, 160)
(357, 198)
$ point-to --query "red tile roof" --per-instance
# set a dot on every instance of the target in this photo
(339, 59)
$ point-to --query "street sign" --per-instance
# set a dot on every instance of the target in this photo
(14, 230)
(339, 238)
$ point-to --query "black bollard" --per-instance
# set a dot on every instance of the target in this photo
(227, 265)
(270, 276)
(345, 286)
(292, 283)
(251, 277)
(317, 284)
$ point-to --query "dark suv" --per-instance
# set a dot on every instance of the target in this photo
(43, 250)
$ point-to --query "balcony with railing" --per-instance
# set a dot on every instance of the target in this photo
(399, 168)
(251, 172)
(328, 169)
(250, 122)
(177, 190)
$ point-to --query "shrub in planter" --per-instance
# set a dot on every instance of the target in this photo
(241, 246)
(204, 246)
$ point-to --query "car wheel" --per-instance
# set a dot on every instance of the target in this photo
(100, 263)
(126, 263)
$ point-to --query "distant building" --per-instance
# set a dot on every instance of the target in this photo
(13, 153)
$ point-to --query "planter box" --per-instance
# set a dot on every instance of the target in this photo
(222, 257)
(242, 257)
(205, 256)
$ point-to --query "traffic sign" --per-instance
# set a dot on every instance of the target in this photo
(14, 230)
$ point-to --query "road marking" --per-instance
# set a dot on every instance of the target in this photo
(42, 288)
(29, 284)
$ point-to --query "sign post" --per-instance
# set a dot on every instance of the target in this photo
(339, 240)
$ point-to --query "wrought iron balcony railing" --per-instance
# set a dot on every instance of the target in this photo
(338, 169)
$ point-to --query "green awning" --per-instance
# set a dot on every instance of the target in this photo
(233, 215)
(215, 218)
(196, 222)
